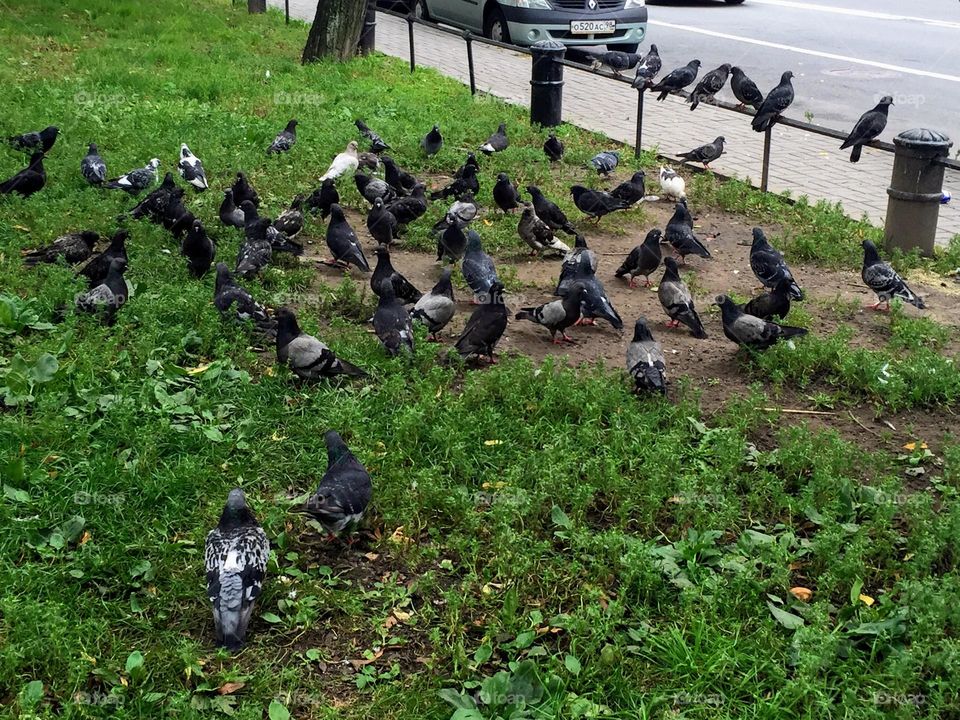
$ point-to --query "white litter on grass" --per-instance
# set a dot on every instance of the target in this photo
(791, 345)
(883, 376)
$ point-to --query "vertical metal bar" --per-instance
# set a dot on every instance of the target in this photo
(286, 10)
(639, 137)
(468, 36)
(413, 55)
(368, 37)
(765, 175)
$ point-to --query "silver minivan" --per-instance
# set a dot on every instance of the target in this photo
(618, 24)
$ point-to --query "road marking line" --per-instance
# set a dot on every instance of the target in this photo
(804, 51)
(858, 13)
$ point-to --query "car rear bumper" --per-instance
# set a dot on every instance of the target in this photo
(528, 26)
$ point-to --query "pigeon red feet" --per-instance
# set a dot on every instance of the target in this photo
(633, 282)
(876, 306)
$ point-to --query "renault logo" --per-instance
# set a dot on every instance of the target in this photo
(592, 4)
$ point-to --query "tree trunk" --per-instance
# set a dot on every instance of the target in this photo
(335, 31)
(256, 6)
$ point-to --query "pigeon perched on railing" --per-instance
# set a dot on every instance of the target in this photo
(645, 361)
(537, 234)
(605, 162)
(553, 148)
(647, 68)
(377, 145)
(557, 315)
(709, 85)
(498, 142)
(485, 326)
(343, 163)
(345, 489)
(631, 191)
(616, 60)
(236, 303)
(744, 89)
(676, 80)
(284, 140)
(432, 141)
(73, 247)
(92, 166)
(343, 243)
(391, 321)
(38, 140)
(108, 296)
(384, 270)
(868, 128)
(135, 181)
(769, 266)
(28, 181)
(306, 356)
(880, 277)
(749, 331)
(677, 301)
(644, 259)
(705, 154)
(679, 233)
(191, 169)
(437, 307)
(774, 104)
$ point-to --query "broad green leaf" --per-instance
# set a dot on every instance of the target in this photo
(271, 618)
(483, 653)
(787, 619)
(559, 518)
(134, 661)
(277, 711)
(572, 664)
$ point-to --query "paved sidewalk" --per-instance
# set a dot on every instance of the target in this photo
(801, 163)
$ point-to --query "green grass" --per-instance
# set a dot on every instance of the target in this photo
(546, 545)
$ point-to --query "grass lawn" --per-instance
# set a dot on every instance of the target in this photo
(541, 543)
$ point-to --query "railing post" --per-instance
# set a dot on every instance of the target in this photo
(639, 137)
(468, 37)
(546, 83)
(368, 37)
(765, 172)
(916, 189)
(286, 11)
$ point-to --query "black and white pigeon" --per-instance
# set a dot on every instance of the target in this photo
(344, 491)
(645, 361)
(631, 191)
(709, 85)
(230, 214)
(505, 193)
(556, 315)
(290, 221)
(647, 68)
(323, 198)
(199, 250)
(381, 223)
(477, 267)
(749, 331)
(772, 304)
(397, 178)
(135, 181)
(191, 169)
(465, 180)
(769, 266)
(485, 327)
(243, 191)
(605, 162)
(344, 163)
(437, 307)
(432, 141)
(548, 211)
(537, 234)
(108, 296)
(256, 250)
(343, 243)
(644, 259)
(368, 161)
(705, 154)
(497, 142)
(391, 321)
(596, 203)
(744, 89)
(377, 145)
(679, 233)
(38, 140)
(92, 166)
(95, 271)
(410, 208)
(676, 80)
(462, 212)
(284, 140)
(616, 60)
(774, 104)
(672, 185)
(257, 229)
(868, 128)
(306, 356)
(880, 277)
(595, 303)
(236, 303)
(235, 560)
(553, 148)
(402, 288)
(372, 188)
(677, 302)
(28, 181)
(571, 263)
(451, 243)
(73, 247)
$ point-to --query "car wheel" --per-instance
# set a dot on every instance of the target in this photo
(626, 47)
(733, 2)
(495, 26)
(419, 10)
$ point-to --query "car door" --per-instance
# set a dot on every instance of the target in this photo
(463, 13)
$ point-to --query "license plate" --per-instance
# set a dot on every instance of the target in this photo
(592, 27)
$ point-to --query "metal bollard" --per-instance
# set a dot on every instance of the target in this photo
(368, 36)
(546, 83)
(468, 38)
(411, 19)
(916, 187)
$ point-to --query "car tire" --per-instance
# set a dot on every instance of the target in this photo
(625, 47)
(495, 25)
(419, 9)
(733, 2)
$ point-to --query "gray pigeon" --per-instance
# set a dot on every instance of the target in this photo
(616, 60)
(605, 162)
(451, 243)
(391, 321)
(236, 303)
(372, 188)
(774, 104)
(647, 68)
(709, 85)
(381, 223)
(775, 303)
(402, 287)
(230, 214)
(868, 128)
(643, 259)
(107, 297)
(676, 80)
(571, 263)
(750, 331)
(769, 266)
(437, 307)
(256, 251)
(343, 243)
(305, 355)
(677, 301)
(880, 277)
(679, 233)
(645, 361)
(557, 315)
(485, 327)
(135, 181)
(537, 234)
(477, 267)
(73, 247)
(631, 191)
(284, 140)
(432, 141)
(505, 193)
(744, 89)
(705, 154)
(92, 166)
(344, 491)
(497, 142)
(290, 221)
(595, 303)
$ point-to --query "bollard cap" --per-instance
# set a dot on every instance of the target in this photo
(548, 47)
(923, 139)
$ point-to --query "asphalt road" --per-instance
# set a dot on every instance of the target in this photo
(845, 54)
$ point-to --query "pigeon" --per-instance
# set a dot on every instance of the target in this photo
(553, 148)
(462, 212)
(432, 141)
(557, 315)
(744, 89)
(679, 233)
(774, 104)
(537, 234)
(73, 247)
(605, 162)
(596, 203)
(92, 166)
(451, 243)
(632, 190)
(471, 159)
(381, 223)
(285, 140)
(868, 128)
(465, 181)
(290, 221)
(436, 308)
(42, 140)
(775, 303)
(705, 154)
(505, 193)
(402, 288)
(191, 169)
(306, 356)
(391, 321)
(235, 559)
(29, 180)
(880, 277)
(135, 181)
(749, 331)
(106, 297)
(497, 142)
(769, 266)
(99, 265)
(485, 327)
(323, 198)
(548, 211)
(647, 68)
(643, 259)
(345, 162)
(397, 178)
(344, 492)
(594, 303)
(407, 209)
(243, 191)
(672, 185)
(645, 361)
(677, 301)
(230, 214)
(677, 79)
(236, 303)
(477, 267)
(258, 229)
(571, 262)
(616, 60)
(709, 85)
(256, 250)
(199, 250)
(368, 161)
(377, 145)
(162, 205)
(372, 188)
(343, 243)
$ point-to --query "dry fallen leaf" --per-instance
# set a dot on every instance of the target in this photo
(801, 593)
(358, 664)
(199, 369)
(866, 600)
(402, 616)
(913, 446)
(85, 537)
(371, 556)
(277, 438)
(389, 622)
(230, 687)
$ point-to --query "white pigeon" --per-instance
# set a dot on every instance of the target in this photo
(345, 162)
(672, 185)
(191, 169)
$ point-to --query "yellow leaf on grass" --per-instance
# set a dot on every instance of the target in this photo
(913, 446)
(866, 600)
(199, 369)
(268, 371)
(86, 537)
(277, 438)
(402, 616)
(493, 442)
(801, 593)
(371, 556)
